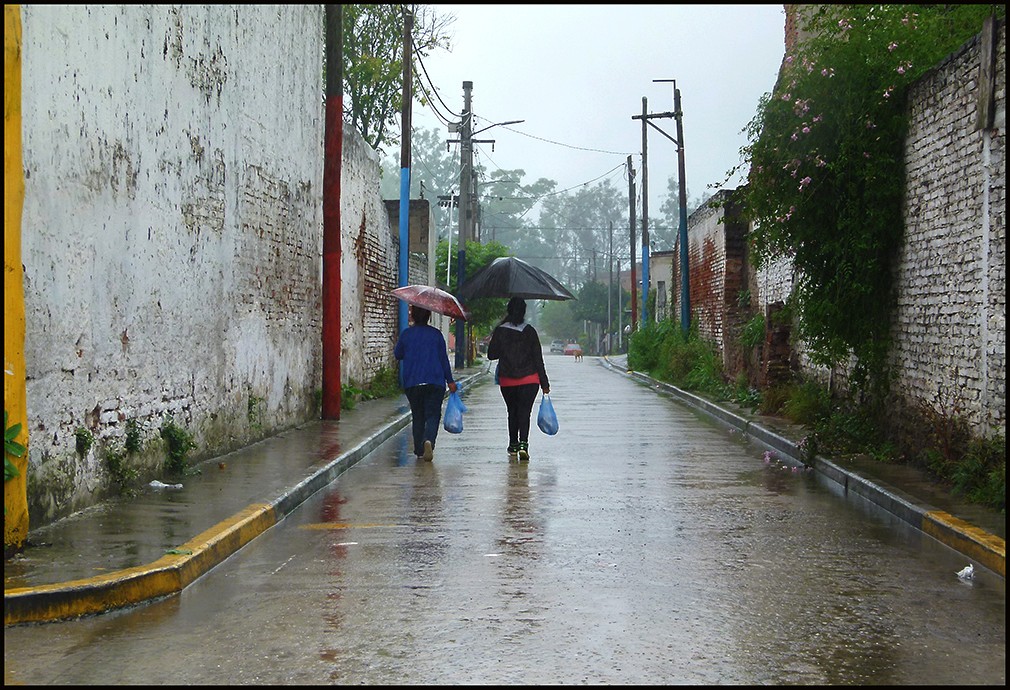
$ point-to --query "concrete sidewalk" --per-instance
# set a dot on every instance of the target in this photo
(129, 551)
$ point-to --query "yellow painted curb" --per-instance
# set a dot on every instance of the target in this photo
(167, 575)
(986, 548)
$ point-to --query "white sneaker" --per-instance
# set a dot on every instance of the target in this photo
(429, 451)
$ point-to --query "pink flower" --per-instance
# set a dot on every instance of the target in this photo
(891, 46)
(806, 130)
(804, 182)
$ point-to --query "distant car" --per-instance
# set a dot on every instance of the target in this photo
(557, 346)
(573, 349)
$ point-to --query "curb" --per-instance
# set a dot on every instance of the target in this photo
(181, 566)
(975, 543)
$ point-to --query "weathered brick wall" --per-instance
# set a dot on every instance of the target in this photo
(368, 267)
(720, 277)
(949, 327)
(172, 231)
(949, 323)
(706, 256)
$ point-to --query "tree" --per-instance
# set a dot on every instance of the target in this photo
(373, 64)
(484, 311)
(827, 171)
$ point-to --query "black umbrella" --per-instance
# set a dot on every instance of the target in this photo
(508, 276)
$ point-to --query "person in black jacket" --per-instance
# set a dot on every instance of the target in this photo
(516, 346)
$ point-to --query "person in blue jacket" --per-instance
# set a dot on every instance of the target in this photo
(424, 374)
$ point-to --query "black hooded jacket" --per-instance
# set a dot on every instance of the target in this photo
(518, 351)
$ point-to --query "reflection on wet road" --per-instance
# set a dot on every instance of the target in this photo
(641, 545)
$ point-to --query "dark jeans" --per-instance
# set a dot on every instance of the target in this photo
(519, 403)
(425, 413)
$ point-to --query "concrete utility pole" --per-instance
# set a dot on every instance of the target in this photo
(465, 210)
(631, 220)
(468, 209)
(408, 26)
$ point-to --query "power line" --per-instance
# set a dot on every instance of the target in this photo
(431, 85)
(567, 145)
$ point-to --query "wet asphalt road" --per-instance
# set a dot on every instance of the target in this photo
(642, 544)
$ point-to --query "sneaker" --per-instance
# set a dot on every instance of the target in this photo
(429, 451)
(513, 452)
(524, 451)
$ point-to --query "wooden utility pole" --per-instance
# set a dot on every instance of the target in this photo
(332, 154)
(645, 212)
(685, 268)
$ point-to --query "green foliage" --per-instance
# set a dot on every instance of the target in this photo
(84, 439)
(11, 448)
(133, 440)
(253, 407)
(981, 473)
(753, 333)
(773, 399)
(826, 167)
(591, 303)
(179, 442)
(485, 312)
(120, 471)
(687, 361)
(373, 64)
(350, 394)
(808, 403)
(384, 384)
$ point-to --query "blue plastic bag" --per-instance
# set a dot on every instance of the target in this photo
(454, 409)
(546, 419)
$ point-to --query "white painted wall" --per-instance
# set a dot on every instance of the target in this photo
(172, 229)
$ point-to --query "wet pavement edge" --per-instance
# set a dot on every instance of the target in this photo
(975, 543)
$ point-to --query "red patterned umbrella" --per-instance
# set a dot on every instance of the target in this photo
(433, 299)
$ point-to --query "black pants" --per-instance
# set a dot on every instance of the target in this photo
(519, 403)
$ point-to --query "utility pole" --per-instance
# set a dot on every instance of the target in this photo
(610, 290)
(620, 307)
(408, 27)
(645, 212)
(685, 273)
(631, 219)
(468, 209)
(685, 268)
(333, 151)
(465, 210)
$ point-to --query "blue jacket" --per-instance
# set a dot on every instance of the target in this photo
(422, 351)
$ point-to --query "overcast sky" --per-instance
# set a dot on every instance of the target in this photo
(577, 75)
